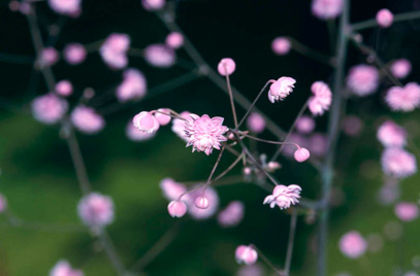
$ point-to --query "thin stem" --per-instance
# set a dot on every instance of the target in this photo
(290, 244)
(216, 164)
(110, 251)
(232, 101)
(397, 18)
(267, 261)
(228, 169)
(311, 53)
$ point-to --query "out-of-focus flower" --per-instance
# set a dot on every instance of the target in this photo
(163, 117)
(281, 46)
(302, 154)
(205, 133)
(391, 135)
(232, 214)
(281, 88)
(174, 40)
(226, 66)
(352, 245)
(250, 270)
(384, 18)
(256, 122)
(96, 210)
(212, 198)
(75, 53)
(63, 268)
(352, 125)
(87, 120)
(171, 189)
(114, 50)
(398, 162)
(177, 208)
(321, 101)
(284, 196)
(153, 5)
(159, 55)
(246, 254)
(401, 68)
(405, 98)
(64, 88)
(3, 203)
(318, 144)
(406, 211)
(363, 79)
(49, 56)
(305, 124)
(146, 122)
(327, 9)
(136, 135)
(49, 108)
(133, 86)
(67, 7)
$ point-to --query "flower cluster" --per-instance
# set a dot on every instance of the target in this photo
(114, 49)
(322, 98)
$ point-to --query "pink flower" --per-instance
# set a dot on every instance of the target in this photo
(363, 79)
(67, 7)
(159, 55)
(281, 45)
(250, 270)
(114, 50)
(96, 210)
(163, 117)
(136, 135)
(284, 196)
(226, 66)
(327, 9)
(64, 88)
(63, 268)
(406, 211)
(212, 198)
(49, 108)
(246, 254)
(321, 101)
(305, 124)
(353, 245)
(87, 120)
(281, 88)
(391, 135)
(133, 86)
(177, 208)
(3, 203)
(318, 144)
(205, 133)
(146, 122)
(352, 125)
(398, 162)
(405, 98)
(178, 125)
(171, 189)
(153, 5)
(301, 155)
(74, 53)
(201, 202)
(232, 214)
(49, 56)
(256, 122)
(174, 40)
(384, 18)
(401, 68)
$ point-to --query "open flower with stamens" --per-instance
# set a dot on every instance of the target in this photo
(284, 196)
(281, 88)
(205, 133)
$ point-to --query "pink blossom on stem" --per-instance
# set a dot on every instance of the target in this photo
(159, 55)
(201, 202)
(171, 189)
(163, 117)
(401, 68)
(205, 133)
(174, 40)
(318, 144)
(246, 254)
(49, 56)
(301, 155)
(398, 162)
(63, 268)
(3, 203)
(114, 50)
(67, 7)
(353, 245)
(64, 88)
(212, 198)
(177, 208)
(281, 88)
(352, 125)
(75, 53)
(133, 86)
(284, 196)
(305, 124)
(232, 214)
(136, 135)
(146, 122)
(226, 66)
(406, 211)
(363, 80)
(281, 45)
(384, 18)
(178, 124)
(48, 108)
(96, 210)
(321, 101)
(153, 5)
(256, 122)
(405, 98)
(87, 120)
(327, 9)
(391, 135)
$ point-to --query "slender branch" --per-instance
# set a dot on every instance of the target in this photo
(231, 99)
(311, 53)
(292, 232)
(397, 18)
(216, 164)
(267, 261)
(228, 169)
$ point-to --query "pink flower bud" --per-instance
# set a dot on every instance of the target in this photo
(256, 122)
(226, 66)
(114, 50)
(64, 88)
(177, 208)
(133, 86)
(246, 254)
(384, 18)
(201, 202)
(363, 79)
(401, 68)
(96, 210)
(63, 268)
(305, 124)
(146, 122)
(281, 88)
(87, 120)
(273, 165)
(407, 211)
(136, 135)
(49, 56)
(67, 7)
(281, 45)
(153, 5)
(49, 108)
(247, 170)
(162, 116)
(301, 155)
(174, 40)
(160, 55)
(232, 214)
(392, 135)
(327, 9)
(353, 245)
(74, 53)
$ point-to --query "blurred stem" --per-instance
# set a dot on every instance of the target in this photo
(267, 261)
(290, 244)
(333, 133)
(232, 101)
(311, 53)
(397, 18)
